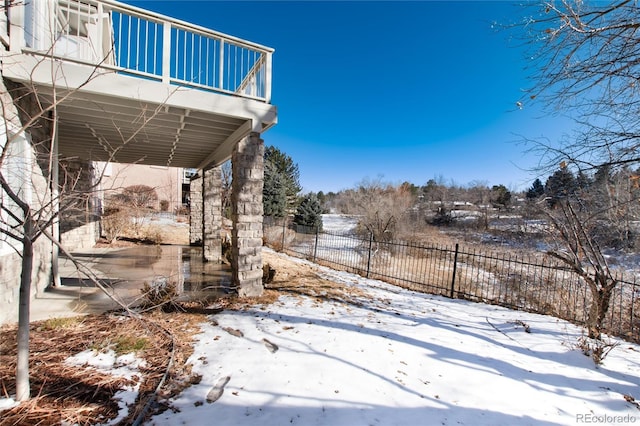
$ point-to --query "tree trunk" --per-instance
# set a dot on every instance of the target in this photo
(598, 311)
(23, 388)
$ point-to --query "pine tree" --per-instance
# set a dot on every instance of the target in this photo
(560, 185)
(284, 165)
(536, 190)
(281, 185)
(274, 194)
(500, 196)
(309, 213)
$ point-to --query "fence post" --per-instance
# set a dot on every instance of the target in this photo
(369, 254)
(453, 277)
(631, 322)
(315, 248)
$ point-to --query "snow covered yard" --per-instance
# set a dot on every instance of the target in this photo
(380, 355)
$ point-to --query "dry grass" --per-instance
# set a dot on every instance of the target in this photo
(67, 394)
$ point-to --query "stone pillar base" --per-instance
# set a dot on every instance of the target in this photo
(195, 211)
(246, 202)
(212, 214)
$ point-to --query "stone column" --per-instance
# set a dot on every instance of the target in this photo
(246, 203)
(212, 214)
(195, 211)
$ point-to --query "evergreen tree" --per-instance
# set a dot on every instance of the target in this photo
(560, 185)
(281, 184)
(536, 190)
(500, 196)
(583, 181)
(284, 165)
(322, 198)
(309, 213)
(274, 194)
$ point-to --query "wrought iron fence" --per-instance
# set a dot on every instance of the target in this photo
(535, 282)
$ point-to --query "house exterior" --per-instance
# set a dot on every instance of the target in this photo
(171, 184)
(97, 81)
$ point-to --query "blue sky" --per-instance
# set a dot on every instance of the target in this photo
(402, 91)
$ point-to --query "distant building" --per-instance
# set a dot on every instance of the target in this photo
(170, 183)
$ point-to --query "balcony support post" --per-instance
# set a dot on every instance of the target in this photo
(247, 166)
(212, 214)
(196, 190)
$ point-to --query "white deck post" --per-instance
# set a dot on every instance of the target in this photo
(267, 77)
(16, 27)
(55, 206)
(166, 52)
(221, 66)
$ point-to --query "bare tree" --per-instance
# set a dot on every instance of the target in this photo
(27, 214)
(586, 57)
(480, 195)
(381, 207)
(36, 190)
(587, 61)
(575, 222)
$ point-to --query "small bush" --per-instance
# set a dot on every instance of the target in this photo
(115, 222)
(442, 218)
(182, 210)
(160, 293)
(268, 273)
(597, 349)
(151, 235)
(164, 205)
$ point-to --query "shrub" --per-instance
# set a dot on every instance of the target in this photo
(115, 221)
(160, 293)
(309, 213)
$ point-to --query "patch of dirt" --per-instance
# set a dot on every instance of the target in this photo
(65, 394)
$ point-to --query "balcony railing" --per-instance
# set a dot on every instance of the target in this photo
(137, 42)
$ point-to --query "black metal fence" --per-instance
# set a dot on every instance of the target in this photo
(533, 282)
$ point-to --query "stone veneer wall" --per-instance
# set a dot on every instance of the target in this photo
(80, 218)
(10, 268)
(212, 214)
(195, 211)
(247, 164)
(81, 237)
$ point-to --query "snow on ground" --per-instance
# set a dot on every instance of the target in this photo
(126, 366)
(8, 403)
(339, 223)
(400, 358)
